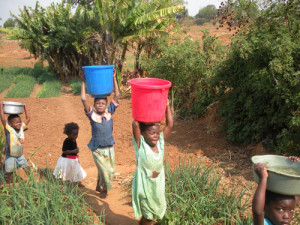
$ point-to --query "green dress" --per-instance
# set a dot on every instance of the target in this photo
(148, 194)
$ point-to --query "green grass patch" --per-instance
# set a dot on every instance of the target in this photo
(5, 80)
(42, 199)
(75, 84)
(195, 195)
(51, 88)
(24, 85)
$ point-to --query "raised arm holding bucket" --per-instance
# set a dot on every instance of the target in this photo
(102, 142)
(149, 98)
(148, 189)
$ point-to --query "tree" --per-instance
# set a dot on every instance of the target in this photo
(206, 14)
(66, 40)
(9, 23)
(132, 20)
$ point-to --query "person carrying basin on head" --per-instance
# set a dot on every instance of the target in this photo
(102, 141)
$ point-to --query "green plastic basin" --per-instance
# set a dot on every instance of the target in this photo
(284, 175)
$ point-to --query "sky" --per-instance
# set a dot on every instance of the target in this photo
(6, 6)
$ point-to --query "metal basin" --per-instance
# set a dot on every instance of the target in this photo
(284, 175)
(13, 107)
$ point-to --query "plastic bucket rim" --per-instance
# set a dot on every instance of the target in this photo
(98, 67)
(167, 84)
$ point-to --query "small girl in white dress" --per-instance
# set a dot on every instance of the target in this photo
(68, 167)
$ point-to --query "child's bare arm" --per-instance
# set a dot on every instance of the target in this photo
(3, 120)
(259, 198)
(27, 115)
(136, 132)
(83, 94)
(294, 158)
(74, 151)
(169, 121)
(116, 87)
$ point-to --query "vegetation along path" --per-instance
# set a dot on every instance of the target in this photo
(201, 141)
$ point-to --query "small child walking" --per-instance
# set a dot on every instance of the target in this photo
(270, 208)
(68, 167)
(14, 133)
(102, 141)
(148, 189)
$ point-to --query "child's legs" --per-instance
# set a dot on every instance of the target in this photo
(105, 162)
(10, 164)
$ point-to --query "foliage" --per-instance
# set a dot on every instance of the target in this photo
(25, 80)
(133, 21)
(206, 14)
(66, 40)
(24, 85)
(75, 85)
(195, 195)
(10, 22)
(5, 80)
(2, 145)
(43, 200)
(51, 88)
(189, 65)
(92, 34)
(259, 83)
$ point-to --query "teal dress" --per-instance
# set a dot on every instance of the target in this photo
(148, 194)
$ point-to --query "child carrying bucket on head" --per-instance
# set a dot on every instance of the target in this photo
(148, 190)
(270, 208)
(14, 133)
(102, 142)
(68, 167)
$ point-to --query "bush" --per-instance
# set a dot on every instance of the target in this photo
(24, 85)
(189, 65)
(259, 82)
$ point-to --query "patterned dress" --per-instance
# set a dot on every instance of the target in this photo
(148, 193)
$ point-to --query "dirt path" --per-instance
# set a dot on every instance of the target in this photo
(198, 139)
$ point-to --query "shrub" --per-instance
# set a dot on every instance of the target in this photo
(24, 85)
(259, 82)
(189, 65)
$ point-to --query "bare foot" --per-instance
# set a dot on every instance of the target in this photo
(98, 188)
(103, 193)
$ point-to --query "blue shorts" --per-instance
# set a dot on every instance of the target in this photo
(13, 163)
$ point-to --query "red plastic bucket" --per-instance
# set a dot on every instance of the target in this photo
(149, 99)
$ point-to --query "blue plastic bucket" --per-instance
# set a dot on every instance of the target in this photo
(99, 80)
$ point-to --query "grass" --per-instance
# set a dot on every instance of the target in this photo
(51, 88)
(7, 76)
(25, 80)
(24, 85)
(2, 145)
(75, 84)
(195, 195)
(42, 199)
(5, 80)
